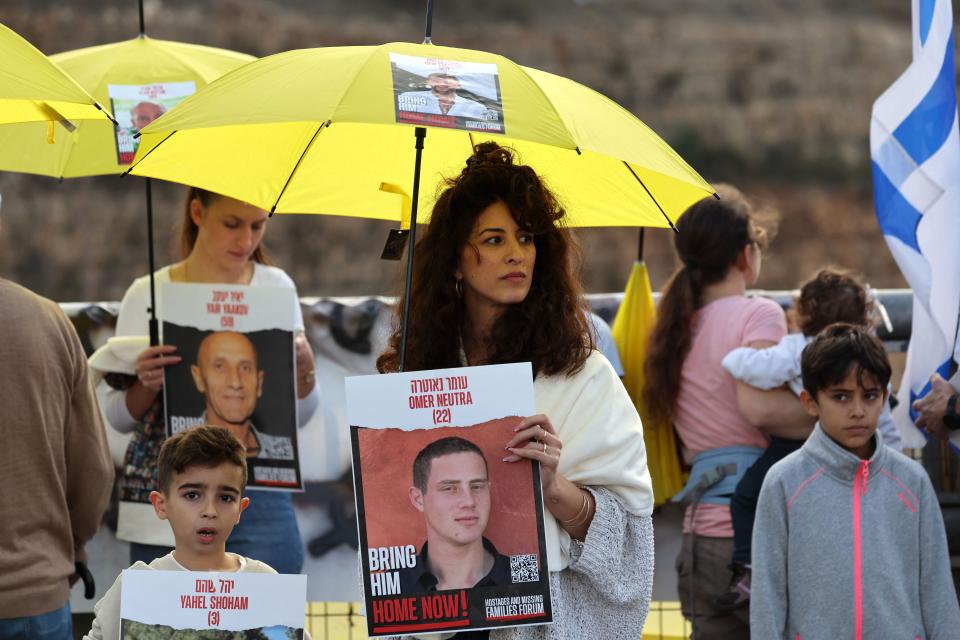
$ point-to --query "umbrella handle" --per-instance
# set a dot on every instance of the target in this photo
(89, 587)
(429, 27)
(420, 133)
(153, 323)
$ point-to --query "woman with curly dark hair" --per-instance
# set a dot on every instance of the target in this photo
(494, 283)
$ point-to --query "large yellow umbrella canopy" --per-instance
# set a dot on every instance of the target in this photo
(34, 89)
(135, 75)
(331, 131)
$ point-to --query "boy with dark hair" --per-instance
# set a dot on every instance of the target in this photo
(832, 295)
(202, 475)
(849, 540)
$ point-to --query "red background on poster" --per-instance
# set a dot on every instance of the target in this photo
(387, 456)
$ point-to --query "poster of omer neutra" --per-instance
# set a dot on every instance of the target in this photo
(451, 535)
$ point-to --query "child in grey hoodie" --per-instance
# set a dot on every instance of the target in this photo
(832, 295)
(849, 539)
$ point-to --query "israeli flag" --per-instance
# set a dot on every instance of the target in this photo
(915, 152)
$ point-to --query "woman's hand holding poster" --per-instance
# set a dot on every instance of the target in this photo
(451, 536)
(237, 371)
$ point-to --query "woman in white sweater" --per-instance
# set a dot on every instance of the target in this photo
(220, 243)
(493, 283)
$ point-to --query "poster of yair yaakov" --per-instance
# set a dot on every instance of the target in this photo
(451, 535)
(238, 371)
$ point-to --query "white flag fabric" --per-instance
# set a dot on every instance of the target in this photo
(915, 152)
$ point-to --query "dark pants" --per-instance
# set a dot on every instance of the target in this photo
(706, 573)
(743, 504)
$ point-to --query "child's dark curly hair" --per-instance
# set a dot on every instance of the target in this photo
(833, 295)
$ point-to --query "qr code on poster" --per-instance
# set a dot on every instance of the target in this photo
(524, 568)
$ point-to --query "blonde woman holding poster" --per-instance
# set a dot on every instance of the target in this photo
(493, 285)
(220, 243)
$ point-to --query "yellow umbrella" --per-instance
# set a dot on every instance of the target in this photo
(316, 131)
(328, 131)
(631, 331)
(35, 90)
(142, 73)
(141, 79)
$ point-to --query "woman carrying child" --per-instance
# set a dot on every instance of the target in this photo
(723, 425)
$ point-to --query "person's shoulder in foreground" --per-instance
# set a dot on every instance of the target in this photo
(839, 518)
(55, 465)
(202, 473)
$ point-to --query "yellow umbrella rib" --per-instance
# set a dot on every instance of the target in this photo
(297, 165)
(371, 54)
(634, 174)
(546, 99)
(137, 159)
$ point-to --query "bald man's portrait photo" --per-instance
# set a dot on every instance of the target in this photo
(243, 382)
(227, 373)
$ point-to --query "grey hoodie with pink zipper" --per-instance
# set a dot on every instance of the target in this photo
(845, 548)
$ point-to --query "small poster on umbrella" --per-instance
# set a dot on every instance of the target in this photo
(137, 105)
(171, 604)
(451, 535)
(447, 93)
(237, 370)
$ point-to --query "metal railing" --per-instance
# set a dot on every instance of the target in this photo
(344, 620)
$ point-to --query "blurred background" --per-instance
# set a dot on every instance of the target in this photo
(772, 97)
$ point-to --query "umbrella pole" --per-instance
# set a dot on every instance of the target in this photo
(420, 133)
(143, 29)
(640, 245)
(154, 325)
(429, 28)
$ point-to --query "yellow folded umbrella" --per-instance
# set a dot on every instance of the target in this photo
(320, 130)
(143, 76)
(34, 89)
(631, 331)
